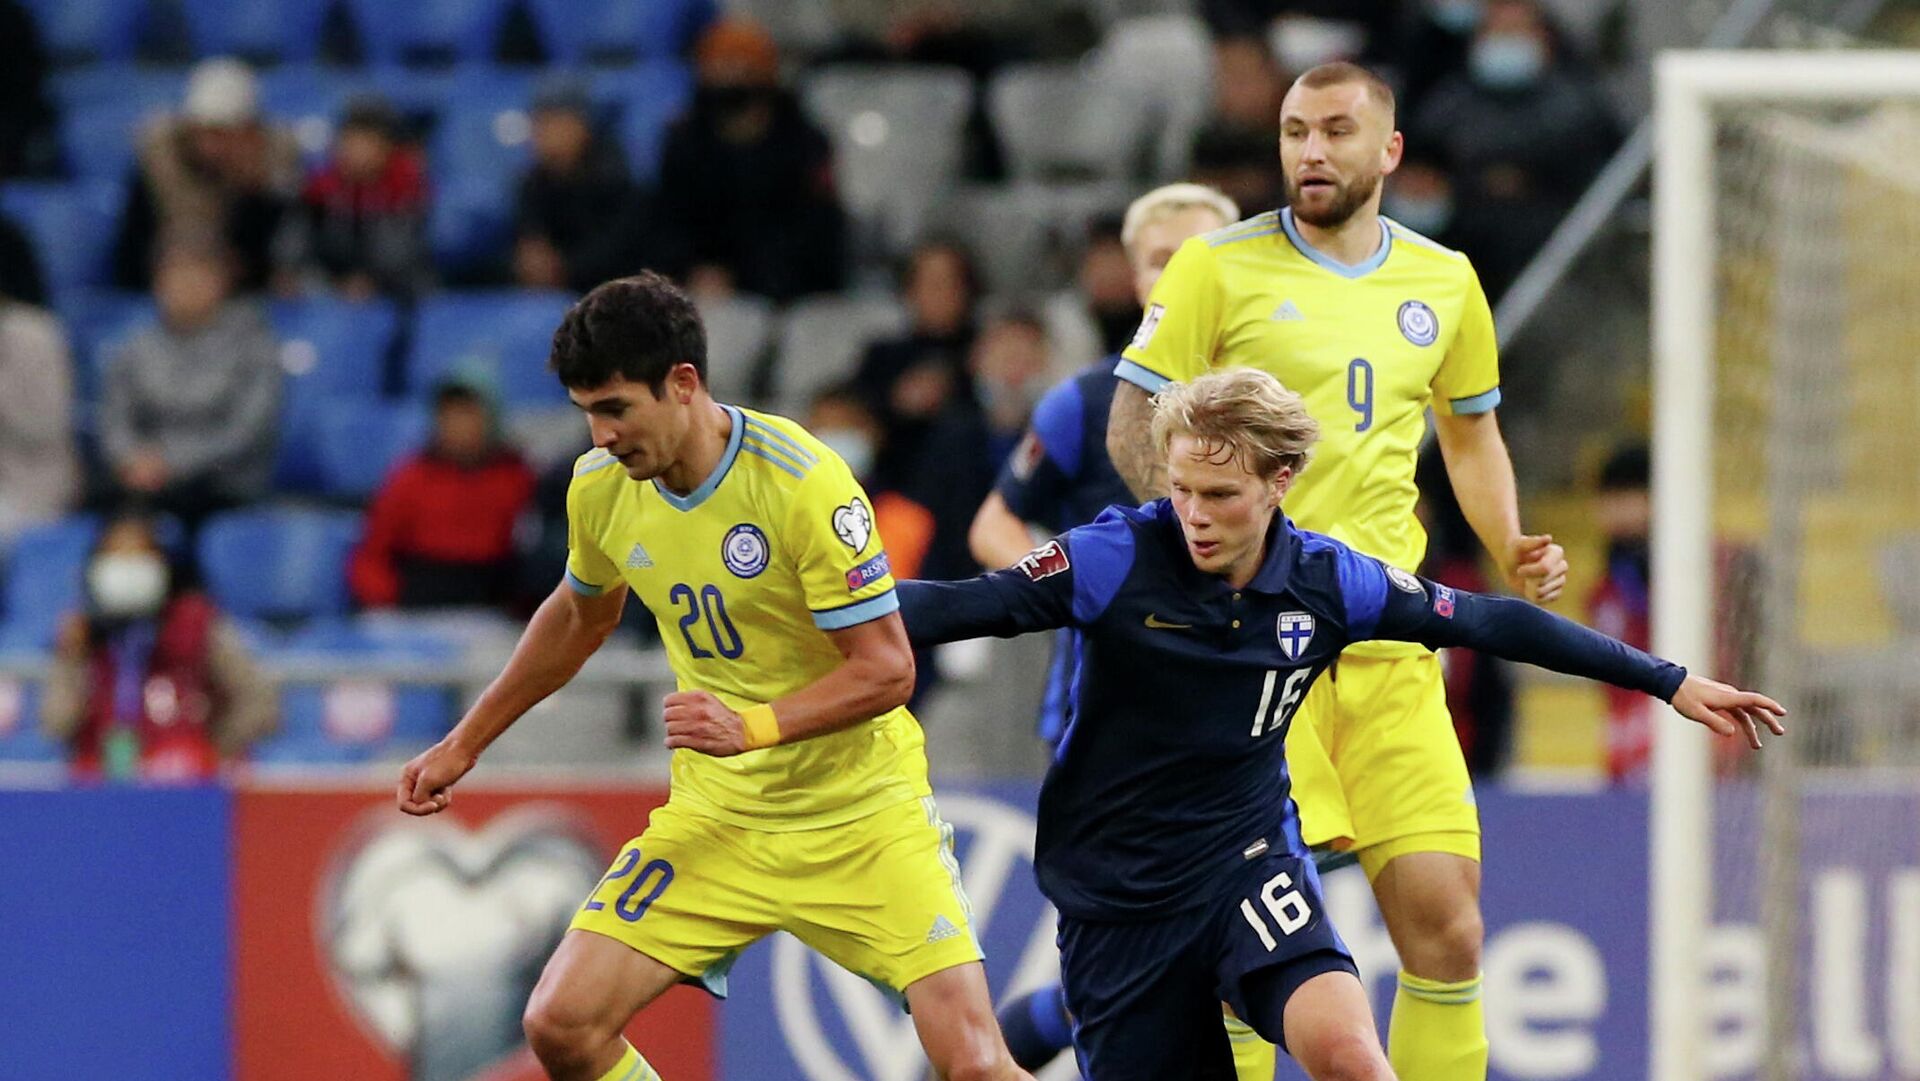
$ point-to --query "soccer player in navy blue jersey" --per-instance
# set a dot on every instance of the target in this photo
(1058, 477)
(1168, 838)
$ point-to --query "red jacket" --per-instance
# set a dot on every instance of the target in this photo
(435, 510)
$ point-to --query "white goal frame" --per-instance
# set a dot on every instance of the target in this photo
(1687, 86)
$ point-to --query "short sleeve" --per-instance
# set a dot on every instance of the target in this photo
(1178, 333)
(837, 551)
(589, 571)
(1469, 377)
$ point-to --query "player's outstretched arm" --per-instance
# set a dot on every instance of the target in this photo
(1481, 471)
(997, 536)
(1515, 630)
(874, 676)
(1029, 596)
(559, 638)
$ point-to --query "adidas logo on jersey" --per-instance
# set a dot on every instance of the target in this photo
(943, 929)
(638, 559)
(1287, 313)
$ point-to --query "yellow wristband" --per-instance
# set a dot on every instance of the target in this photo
(762, 729)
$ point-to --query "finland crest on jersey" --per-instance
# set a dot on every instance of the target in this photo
(1295, 631)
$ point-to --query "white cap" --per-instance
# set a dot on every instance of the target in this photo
(221, 91)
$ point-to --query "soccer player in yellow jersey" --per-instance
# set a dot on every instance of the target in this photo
(1373, 324)
(799, 796)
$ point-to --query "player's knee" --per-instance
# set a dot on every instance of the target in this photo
(980, 1060)
(558, 1034)
(1446, 945)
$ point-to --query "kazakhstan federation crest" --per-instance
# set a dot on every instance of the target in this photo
(744, 550)
(1418, 323)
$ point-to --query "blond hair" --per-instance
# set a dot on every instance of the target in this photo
(1164, 202)
(1241, 410)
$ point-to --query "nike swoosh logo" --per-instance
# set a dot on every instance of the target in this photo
(1155, 623)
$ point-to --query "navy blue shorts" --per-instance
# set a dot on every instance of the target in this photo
(1146, 996)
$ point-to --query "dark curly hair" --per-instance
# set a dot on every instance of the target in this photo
(637, 328)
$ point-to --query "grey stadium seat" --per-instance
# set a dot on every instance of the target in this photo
(821, 340)
(897, 137)
(739, 329)
(1024, 234)
(1054, 122)
(1162, 67)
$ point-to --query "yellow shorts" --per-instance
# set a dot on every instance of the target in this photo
(1375, 763)
(880, 896)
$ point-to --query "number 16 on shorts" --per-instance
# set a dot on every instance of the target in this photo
(1289, 910)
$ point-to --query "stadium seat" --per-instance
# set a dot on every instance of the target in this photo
(71, 226)
(897, 137)
(80, 31)
(618, 31)
(162, 88)
(821, 340)
(350, 720)
(333, 346)
(308, 99)
(470, 225)
(361, 441)
(431, 31)
(101, 139)
(1161, 66)
(481, 140)
(20, 738)
(44, 572)
(99, 322)
(498, 337)
(1032, 226)
(278, 564)
(739, 329)
(419, 94)
(648, 98)
(1109, 12)
(256, 30)
(1057, 122)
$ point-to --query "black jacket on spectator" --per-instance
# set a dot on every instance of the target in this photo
(764, 211)
(20, 267)
(28, 144)
(594, 216)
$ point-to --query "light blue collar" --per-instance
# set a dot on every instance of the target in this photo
(699, 495)
(1346, 270)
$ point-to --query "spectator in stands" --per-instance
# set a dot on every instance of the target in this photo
(1241, 163)
(150, 681)
(29, 144)
(955, 460)
(1247, 85)
(1419, 196)
(841, 417)
(1106, 281)
(39, 478)
(746, 196)
(362, 223)
(214, 168)
(1431, 45)
(440, 532)
(19, 266)
(1618, 605)
(580, 213)
(191, 406)
(1524, 131)
(910, 379)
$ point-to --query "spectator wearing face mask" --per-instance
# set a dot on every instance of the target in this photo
(580, 213)
(746, 201)
(841, 418)
(440, 531)
(1419, 196)
(189, 416)
(150, 681)
(1523, 129)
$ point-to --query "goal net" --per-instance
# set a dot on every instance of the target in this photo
(1786, 909)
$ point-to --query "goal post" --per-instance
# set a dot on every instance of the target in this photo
(1699, 99)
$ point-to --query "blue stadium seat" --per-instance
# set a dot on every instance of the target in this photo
(20, 738)
(332, 346)
(102, 139)
(71, 226)
(614, 31)
(256, 29)
(161, 88)
(88, 30)
(99, 322)
(309, 100)
(428, 30)
(279, 564)
(500, 337)
(650, 97)
(471, 224)
(44, 573)
(481, 141)
(360, 442)
(353, 722)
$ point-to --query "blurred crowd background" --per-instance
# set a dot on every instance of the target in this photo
(280, 463)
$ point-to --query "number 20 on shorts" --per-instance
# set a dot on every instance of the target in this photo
(1289, 910)
(632, 902)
